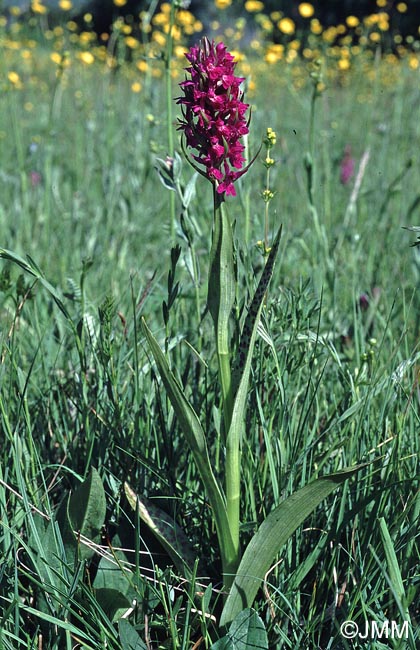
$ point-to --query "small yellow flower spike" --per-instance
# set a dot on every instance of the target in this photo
(267, 195)
(270, 138)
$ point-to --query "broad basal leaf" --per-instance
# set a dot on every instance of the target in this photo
(196, 440)
(247, 632)
(273, 533)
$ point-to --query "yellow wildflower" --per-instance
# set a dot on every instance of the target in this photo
(86, 57)
(160, 19)
(222, 4)
(274, 53)
(402, 7)
(343, 64)
(291, 56)
(254, 5)
(131, 42)
(65, 5)
(352, 21)
(179, 52)
(136, 86)
(86, 38)
(185, 17)
(14, 79)
(56, 57)
(120, 3)
(286, 25)
(142, 65)
(316, 27)
(159, 38)
(413, 62)
(38, 8)
(306, 10)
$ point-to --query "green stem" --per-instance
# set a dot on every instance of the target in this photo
(266, 216)
(221, 297)
(233, 498)
(311, 174)
(223, 359)
(169, 100)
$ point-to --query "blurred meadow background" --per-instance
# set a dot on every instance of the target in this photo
(92, 240)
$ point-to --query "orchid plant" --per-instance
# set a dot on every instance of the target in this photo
(213, 124)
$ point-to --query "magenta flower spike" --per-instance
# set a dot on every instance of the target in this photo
(347, 166)
(214, 114)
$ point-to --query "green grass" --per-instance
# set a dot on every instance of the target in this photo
(332, 385)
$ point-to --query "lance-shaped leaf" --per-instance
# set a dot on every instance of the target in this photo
(240, 382)
(194, 434)
(273, 533)
(85, 514)
(166, 530)
(249, 330)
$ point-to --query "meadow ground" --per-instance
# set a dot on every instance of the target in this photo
(89, 248)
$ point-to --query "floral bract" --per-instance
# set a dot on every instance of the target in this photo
(214, 114)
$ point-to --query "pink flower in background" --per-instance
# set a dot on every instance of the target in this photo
(347, 166)
(364, 301)
(214, 114)
(35, 178)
